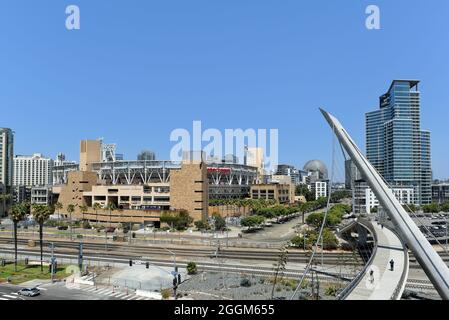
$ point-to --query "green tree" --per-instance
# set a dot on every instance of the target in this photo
(111, 208)
(339, 195)
(70, 210)
(18, 212)
(219, 222)
(303, 190)
(83, 209)
(96, 207)
(4, 198)
(431, 208)
(177, 220)
(41, 213)
(58, 207)
(444, 207)
(252, 221)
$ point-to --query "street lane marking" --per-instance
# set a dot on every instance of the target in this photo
(115, 294)
(121, 295)
(102, 291)
(7, 296)
(3, 299)
(90, 289)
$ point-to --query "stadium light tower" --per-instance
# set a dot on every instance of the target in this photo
(428, 258)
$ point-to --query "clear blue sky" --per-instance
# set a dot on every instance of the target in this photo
(139, 69)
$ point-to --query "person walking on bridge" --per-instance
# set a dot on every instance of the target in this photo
(391, 265)
(371, 276)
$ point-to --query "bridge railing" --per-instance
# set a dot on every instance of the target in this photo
(397, 294)
(355, 282)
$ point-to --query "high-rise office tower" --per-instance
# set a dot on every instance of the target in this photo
(395, 144)
(146, 155)
(6, 167)
(6, 157)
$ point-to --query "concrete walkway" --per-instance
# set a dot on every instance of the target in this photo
(385, 281)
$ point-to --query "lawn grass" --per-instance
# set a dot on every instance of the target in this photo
(28, 273)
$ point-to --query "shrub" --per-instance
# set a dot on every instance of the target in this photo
(330, 241)
(86, 224)
(166, 294)
(331, 291)
(201, 225)
(245, 282)
(192, 268)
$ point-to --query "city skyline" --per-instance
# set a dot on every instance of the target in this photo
(239, 153)
(265, 70)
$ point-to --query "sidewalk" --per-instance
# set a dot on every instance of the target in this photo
(385, 281)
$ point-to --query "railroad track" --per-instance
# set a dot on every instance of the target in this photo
(202, 266)
(259, 255)
(424, 285)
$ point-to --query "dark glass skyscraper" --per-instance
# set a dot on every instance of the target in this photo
(395, 143)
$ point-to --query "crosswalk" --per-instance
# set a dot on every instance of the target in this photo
(113, 293)
(9, 296)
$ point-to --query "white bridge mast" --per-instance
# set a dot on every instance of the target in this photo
(428, 258)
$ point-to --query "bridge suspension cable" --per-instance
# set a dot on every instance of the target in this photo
(320, 235)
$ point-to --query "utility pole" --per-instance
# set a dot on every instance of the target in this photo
(322, 251)
(80, 257)
(52, 261)
(174, 273)
(445, 220)
(105, 240)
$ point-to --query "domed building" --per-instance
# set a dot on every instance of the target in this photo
(317, 169)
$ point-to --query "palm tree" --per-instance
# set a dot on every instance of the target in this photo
(70, 210)
(111, 207)
(83, 209)
(4, 198)
(96, 207)
(18, 212)
(58, 206)
(41, 213)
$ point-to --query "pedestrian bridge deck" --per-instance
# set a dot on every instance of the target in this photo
(387, 284)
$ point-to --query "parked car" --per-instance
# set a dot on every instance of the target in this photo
(62, 228)
(29, 292)
(109, 229)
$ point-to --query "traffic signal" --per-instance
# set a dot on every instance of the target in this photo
(147, 265)
(130, 263)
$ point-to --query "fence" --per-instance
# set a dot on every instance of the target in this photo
(345, 292)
